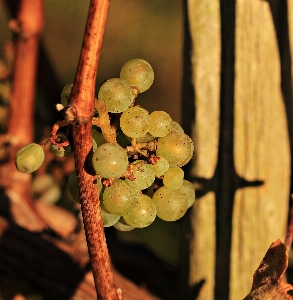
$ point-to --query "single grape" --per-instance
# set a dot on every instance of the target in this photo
(138, 72)
(122, 226)
(98, 137)
(171, 205)
(176, 147)
(110, 160)
(73, 187)
(122, 139)
(143, 175)
(120, 198)
(143, 214)
(160, 123)
(145, 138)
(29, 158)
(66, 93)
(135, 122)
(188, 189)
(176, 127)
(108, 218)
(160, 167)
(61, 151)
(173, 178)
(117, 95)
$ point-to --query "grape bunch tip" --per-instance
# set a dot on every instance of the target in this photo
(139, 173)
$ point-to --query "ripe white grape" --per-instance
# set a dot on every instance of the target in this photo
(188, 189)
(143, 214)
(160, 123)
(176, 147)
(122, 226)
(108, 218)
(66, 93)
(160, 167)
(145, 138)
(117, 95)
(29, 158)
(61, 151)
(138, 72)
(171, 205)
(176, 127)
(143, 175)
(135, 122)
(98, 137)
(120, 198)
(173, 178)
(110, 160)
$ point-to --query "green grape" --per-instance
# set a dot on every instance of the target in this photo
(108, 218)
(122, 226)
(160, 123)
(29, 158)
(98, 137)
(160, 167)
(122, 139)
(110, 160)
(188, 189)
(135, 122)
(143, 214)
(143, 175)
(120, 198)
(176, 147)
(145, 138)
(173, 178)
(66, 93)
(61, 151)
(73, 187)
(171, 205)
(138, 72)
(176, 127)
(117, 95)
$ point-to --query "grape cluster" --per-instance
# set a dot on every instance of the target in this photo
(139, 173)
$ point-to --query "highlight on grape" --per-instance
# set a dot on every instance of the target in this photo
(139, 167)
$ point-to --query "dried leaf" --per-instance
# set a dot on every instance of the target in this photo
(268, 280)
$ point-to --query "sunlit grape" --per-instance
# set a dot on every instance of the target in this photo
(160, 123)
(173, 178)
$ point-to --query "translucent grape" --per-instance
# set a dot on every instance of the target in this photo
(173, 178)
(61, 151)
(160, 123)
(171, 205)
(110, 160)
(117, 95)
(176, 147)
(138, 72)
(176, 127)
(108, 218)
(143, 175)
(145, 138)
(188, 189)
(160, 167)
(29, 158)
(122, 226)
(120, 198)
(98, 137)
(73, 186)
(66, 93)
(135, 122)
(143, 214)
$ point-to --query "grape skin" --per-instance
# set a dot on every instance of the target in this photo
(110, 160)
(143, 214)
(117, 95)
(138, 72)
(160, 123)
(135, 122)
(173, 178)
(189, 189)
(108, 218)
(120, 198)
(29, 158)
(160, 167)
(171, 205)
(122, 226)
(176, 147)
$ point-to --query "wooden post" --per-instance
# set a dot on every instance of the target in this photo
(242, 160)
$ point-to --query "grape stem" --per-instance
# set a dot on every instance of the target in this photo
(79, 113)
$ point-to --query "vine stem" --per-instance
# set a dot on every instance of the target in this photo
(80, 112)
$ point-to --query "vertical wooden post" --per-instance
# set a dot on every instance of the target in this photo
(242, 161)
